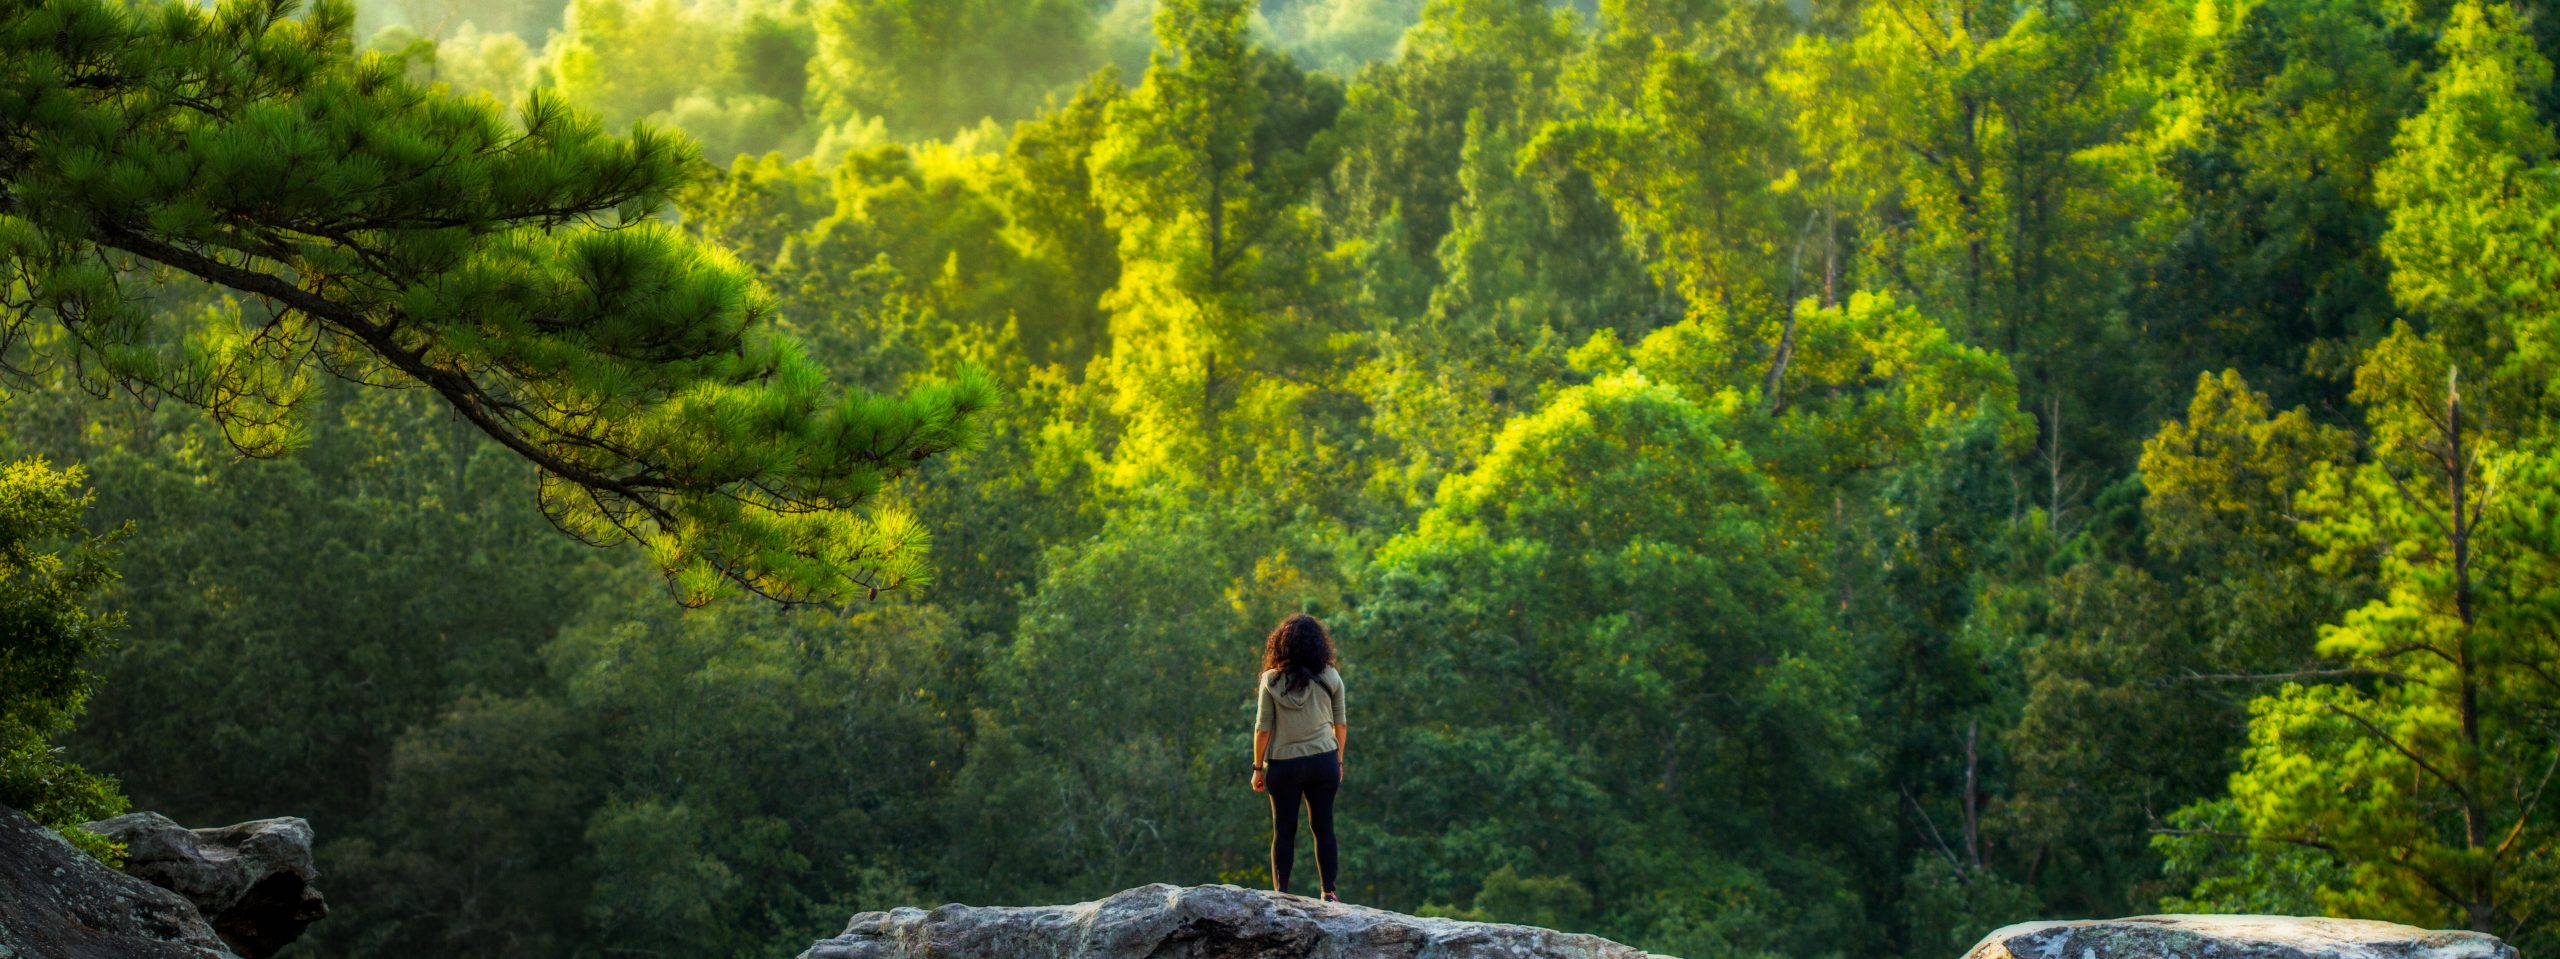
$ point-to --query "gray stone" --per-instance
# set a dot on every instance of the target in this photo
(252, 881)
(58, 903)
(1196, 922)
(2234, 937)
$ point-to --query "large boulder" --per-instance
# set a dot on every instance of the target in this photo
(2234, 937)
(58, 903)
(252, 881)
(1196, 922)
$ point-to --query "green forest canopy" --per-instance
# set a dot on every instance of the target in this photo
(1788, 479)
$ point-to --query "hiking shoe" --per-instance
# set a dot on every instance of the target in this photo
(1330, 897)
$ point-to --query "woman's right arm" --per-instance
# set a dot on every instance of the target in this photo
(1261, 748)
(1263, 721)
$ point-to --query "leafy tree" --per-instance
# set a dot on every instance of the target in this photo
(1049, 196)
(1886, 439)
(2413, 786)
(749, 95)
(1971, 139)
(2282, 114)
(2469, 189)
(920, 242)
(1199, 174)
(1340, 35)
(2137, 688)
(2422, 783)
(1872, 384)
(519, 776)
(1534, 267)
(500, 65)
(1626, 627)
(934, 66)
(2271, 879)
(682, 776)
(1688, 154)
(296, 615)
(1555, 902)
(1405, 122)
(426, 242)
(1489, 262)
(758, 208)
(590, 64)
(51, 569)
(445, 20)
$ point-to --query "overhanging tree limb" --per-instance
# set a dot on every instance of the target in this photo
(406, 238)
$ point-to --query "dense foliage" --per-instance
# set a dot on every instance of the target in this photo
(1788, 479)
(51, 568)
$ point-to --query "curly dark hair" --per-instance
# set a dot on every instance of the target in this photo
(1299, 648)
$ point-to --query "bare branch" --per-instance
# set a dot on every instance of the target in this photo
(1954, 864)
(2456, 785)
(2244, 837)
(2297, 675)
(2517, 831)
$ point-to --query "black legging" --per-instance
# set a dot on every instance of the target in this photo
(1313, 778)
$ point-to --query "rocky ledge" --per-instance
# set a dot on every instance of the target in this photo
(252, 881)
(1230, 922)
(237, 892)
(2234, 937)
(1197, 922)
(58, 903)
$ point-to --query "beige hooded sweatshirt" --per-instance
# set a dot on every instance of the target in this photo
(1301, 723)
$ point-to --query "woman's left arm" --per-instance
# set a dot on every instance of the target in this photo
(1341, 728)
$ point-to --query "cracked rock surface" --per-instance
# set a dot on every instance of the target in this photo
(1196, 922)
(58, 903)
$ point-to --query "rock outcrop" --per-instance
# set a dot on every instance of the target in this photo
(252, 881)
(2234, 937)
(58, 903)
(1197, 922)
(1230, 922)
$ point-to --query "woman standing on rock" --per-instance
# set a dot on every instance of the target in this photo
(1298, 735)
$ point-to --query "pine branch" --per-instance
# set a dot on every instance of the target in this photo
(458, 390)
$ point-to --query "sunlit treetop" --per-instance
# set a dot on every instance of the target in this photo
(393, 236)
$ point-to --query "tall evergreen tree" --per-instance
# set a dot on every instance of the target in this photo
(1200, 174)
